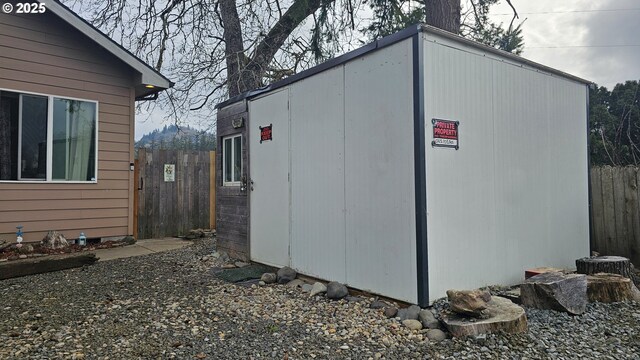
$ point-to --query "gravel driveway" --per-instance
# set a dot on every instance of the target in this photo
(169, 305)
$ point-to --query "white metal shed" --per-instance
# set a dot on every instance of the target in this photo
(416, 164)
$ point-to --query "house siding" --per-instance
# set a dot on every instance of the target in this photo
(40, 53)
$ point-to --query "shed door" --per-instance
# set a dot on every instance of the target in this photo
(269, 187)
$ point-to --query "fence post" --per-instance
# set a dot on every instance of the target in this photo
(212, 189)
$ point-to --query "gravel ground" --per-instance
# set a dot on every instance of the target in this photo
(169, 305)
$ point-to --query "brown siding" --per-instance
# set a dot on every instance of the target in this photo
(232, 205)
(42, 54)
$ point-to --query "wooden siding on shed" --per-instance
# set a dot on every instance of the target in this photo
(232, 205)
(40, 53)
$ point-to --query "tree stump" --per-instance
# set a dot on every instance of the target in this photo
(608, 264)
(604, 264)
(608, 288)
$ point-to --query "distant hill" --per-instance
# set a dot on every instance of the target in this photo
(172, 137)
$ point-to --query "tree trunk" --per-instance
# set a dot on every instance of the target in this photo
(234, 47)
(444, 14)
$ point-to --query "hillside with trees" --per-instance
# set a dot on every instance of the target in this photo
(179, 138)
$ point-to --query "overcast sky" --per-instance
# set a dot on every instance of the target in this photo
(596, 40)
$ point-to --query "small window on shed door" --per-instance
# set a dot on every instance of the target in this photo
(232, 160)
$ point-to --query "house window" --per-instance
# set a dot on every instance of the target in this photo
(232, 160)
(47, 138)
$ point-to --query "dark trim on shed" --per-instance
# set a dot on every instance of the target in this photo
(420, 173)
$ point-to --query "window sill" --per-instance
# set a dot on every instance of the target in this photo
(232, 184)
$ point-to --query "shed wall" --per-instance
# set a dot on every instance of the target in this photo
(515, 195)
(41, 53)
(352, 181)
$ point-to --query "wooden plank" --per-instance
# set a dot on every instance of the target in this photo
(608, 245)
(136, 193)
(632, 212)
(85, 224)
(61, 194)
(14, 217)
(620, 208)
(597, 210)
(45, 264)
(212, 189)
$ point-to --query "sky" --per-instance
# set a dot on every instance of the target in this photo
(598, 40)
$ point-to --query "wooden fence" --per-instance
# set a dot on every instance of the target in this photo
(174, 192)
(616, 211)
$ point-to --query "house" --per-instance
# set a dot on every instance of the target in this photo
(418, 163)
(67, 107)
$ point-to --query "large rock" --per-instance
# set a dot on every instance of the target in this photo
(54, 240)
(336, 291)
(268, 278)
(409, 313)
(468, 302)
(412, 324)
(556, 291)
(286, 274)
(428, 320)
(502, 316)
(318, 288)
(436, 335)
(608, 288)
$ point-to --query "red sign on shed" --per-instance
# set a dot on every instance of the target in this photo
(266, 133)
(445, 133)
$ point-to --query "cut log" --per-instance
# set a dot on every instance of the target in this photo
(556, 291)
(31, 266)
(610, 265)
(608, 288)
(604, 264)
(504, 316)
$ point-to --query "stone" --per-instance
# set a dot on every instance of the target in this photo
(336, 290)
(468, 302)
(390, 311)
(23, 256)
(318, 288)
(377, 304)
(295, 283)
(502, 315)
(268, 278)
(286, 274)
(26, 249)
(609, 288)
(412, 324)
(128, 240)
(556, 291)
(428, 320)
(307, 287)
(241, 264)
(436, 335)
(54, 240)
(410, 313)
(261, 283)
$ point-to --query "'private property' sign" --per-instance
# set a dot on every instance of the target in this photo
(445, 133)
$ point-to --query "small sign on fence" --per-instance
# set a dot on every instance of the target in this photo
(169, 172)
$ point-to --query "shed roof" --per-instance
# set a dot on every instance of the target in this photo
(389, 40)
(148, 75)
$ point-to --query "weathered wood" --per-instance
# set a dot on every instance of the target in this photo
(31, 266)
(597, 210)
(608, 288)
(503, 316)
(173, 208)
(212, 190)
(604, 264)
(620, 209)
(609, 214)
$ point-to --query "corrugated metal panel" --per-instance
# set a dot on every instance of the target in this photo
(269, 162)
(317, 175)
(379, 173)
(514, 195)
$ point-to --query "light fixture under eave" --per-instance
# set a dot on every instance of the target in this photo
(149, 86)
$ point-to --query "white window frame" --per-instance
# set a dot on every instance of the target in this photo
(49, 159)
(233, 154)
